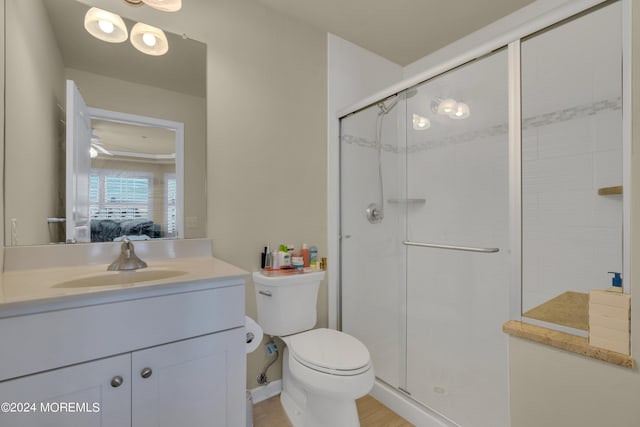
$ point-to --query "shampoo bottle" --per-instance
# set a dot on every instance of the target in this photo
(305, 255)
(616, 283)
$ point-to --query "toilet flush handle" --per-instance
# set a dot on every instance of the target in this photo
(265, 293)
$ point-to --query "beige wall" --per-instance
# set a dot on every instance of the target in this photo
(551, 387)
(35, 93)
(118, 95)
(267, 141)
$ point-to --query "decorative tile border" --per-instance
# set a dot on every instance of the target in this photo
(546, 119)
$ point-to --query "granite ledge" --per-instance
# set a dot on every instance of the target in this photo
(564, 341)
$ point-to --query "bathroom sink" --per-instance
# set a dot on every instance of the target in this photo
(112, 278)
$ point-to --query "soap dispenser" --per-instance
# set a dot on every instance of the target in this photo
(616, 283)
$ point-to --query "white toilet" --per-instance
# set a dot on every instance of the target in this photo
(324, 371)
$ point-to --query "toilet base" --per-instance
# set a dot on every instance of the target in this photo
(307, 409)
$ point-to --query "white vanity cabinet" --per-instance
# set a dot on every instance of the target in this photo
(189, 383)
(36, 399)
(176, 358)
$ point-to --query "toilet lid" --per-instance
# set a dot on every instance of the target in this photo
(330, 351)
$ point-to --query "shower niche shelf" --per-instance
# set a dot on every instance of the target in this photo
(610, 191)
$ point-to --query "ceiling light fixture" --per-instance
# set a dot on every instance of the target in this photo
(105, 26)
(420, 123)
(450, 107)
(164, 5)
(447, 106)
(462, 111)
(149, 40)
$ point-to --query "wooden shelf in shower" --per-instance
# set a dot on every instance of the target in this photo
(610, 191)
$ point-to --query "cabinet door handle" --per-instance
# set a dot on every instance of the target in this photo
(116, 381)
(146, 373)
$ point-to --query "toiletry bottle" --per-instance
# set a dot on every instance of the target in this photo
(313, 257)
(263, 257)
(305, 255)
(297, 260)
(616, 283)
(268, 261)
(275, 259)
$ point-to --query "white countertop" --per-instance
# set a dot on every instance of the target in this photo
(34, 290)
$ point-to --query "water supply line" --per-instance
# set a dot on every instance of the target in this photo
(375, 212)
(262, 376)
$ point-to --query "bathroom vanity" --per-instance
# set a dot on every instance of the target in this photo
(161, 352)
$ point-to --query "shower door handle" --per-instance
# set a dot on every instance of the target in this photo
(450, 247)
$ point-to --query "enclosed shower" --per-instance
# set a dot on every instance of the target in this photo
(424, 239)
(480, 193)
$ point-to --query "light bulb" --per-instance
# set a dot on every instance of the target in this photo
(149, 39)
(106, 26)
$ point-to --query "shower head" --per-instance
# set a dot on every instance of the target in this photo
(387, 105)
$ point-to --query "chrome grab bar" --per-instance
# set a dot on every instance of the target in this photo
(454, 248)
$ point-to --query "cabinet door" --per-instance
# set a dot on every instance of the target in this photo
(198, 382)
(76, 396)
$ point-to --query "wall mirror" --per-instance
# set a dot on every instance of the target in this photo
(46, 44)
(572, 166)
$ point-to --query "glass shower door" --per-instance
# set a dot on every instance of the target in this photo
(457, 243)
(372, 256)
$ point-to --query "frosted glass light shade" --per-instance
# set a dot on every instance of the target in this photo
(105, 25)
(149, 40)
(164, 5)
(462, 111)
(420, 122)
(447, 106)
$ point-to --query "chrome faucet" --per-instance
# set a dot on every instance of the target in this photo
(128, 260)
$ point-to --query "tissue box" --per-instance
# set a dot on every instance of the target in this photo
(610, 321)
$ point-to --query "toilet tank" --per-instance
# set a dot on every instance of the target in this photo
(287, 304)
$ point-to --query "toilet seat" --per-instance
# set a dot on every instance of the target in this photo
(329, 351)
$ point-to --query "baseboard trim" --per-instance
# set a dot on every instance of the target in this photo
(265, 392)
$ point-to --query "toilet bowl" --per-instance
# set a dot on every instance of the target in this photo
(324, 370)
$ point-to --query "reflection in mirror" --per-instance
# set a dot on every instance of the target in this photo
(46, 44)
(133, 179)
(572, 147)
